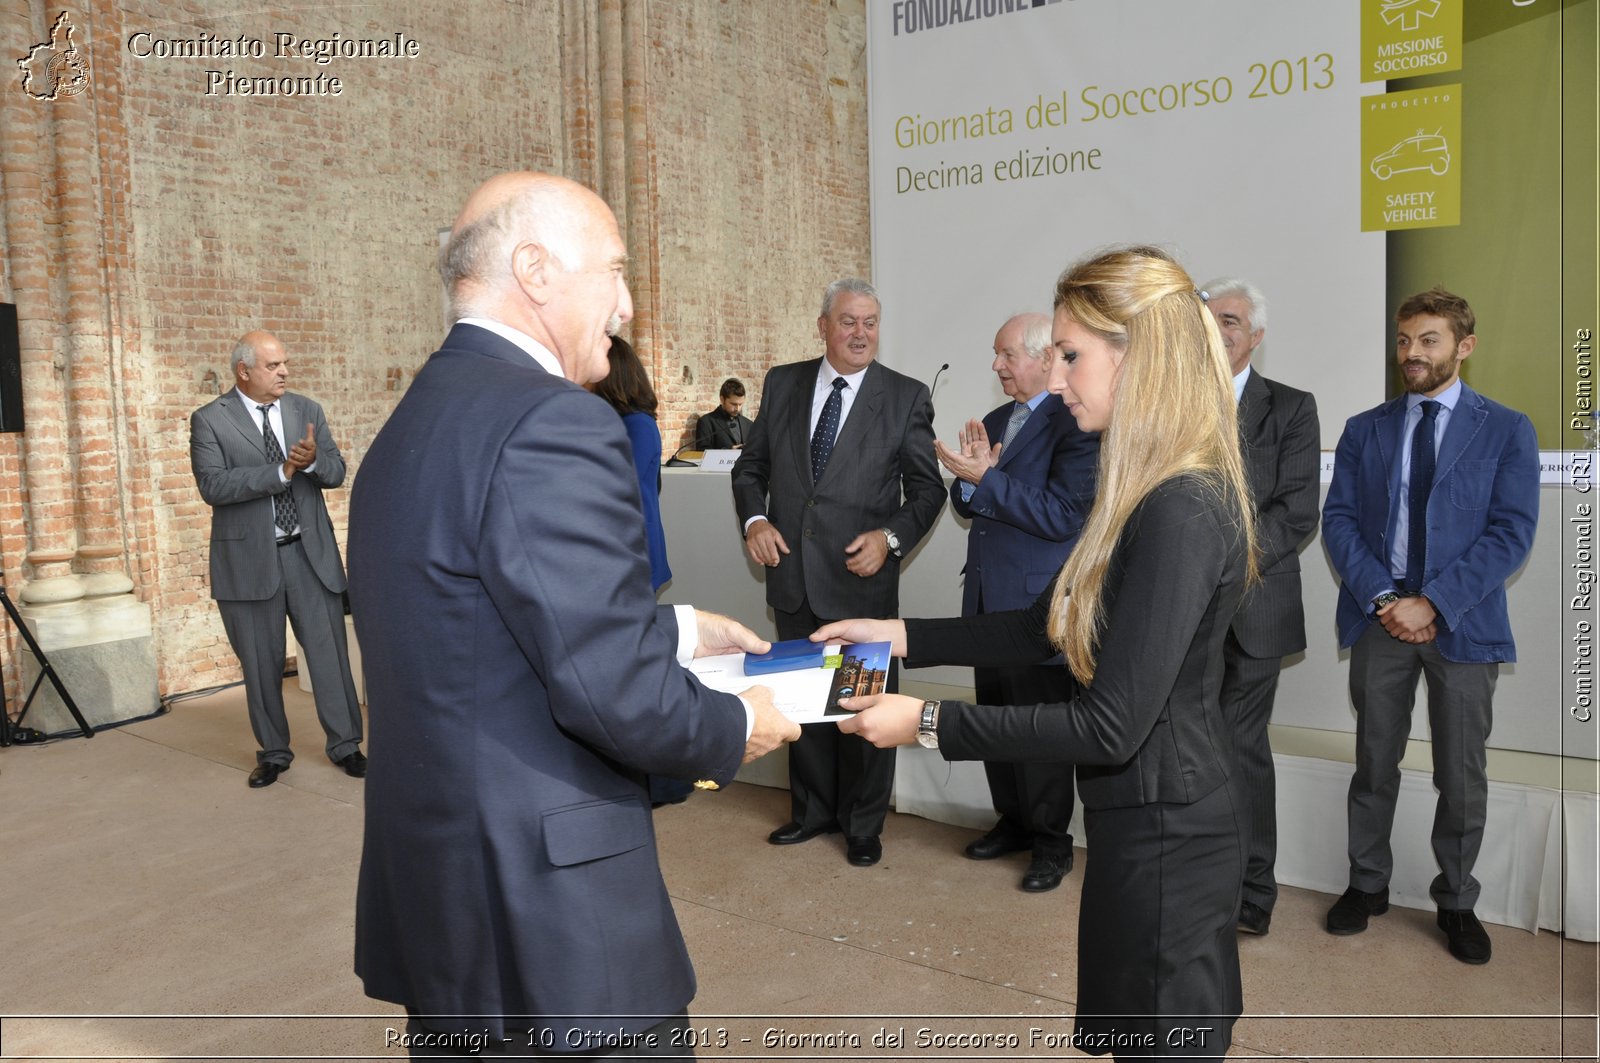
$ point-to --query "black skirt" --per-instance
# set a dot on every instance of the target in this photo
(1158, 951)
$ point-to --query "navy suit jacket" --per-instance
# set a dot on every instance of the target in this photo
(1481, 516)
(499, 584)
(1027, 511)
(882, 474)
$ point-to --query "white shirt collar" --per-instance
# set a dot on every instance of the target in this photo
(524, 342)
(825, 378)
(1239, 382)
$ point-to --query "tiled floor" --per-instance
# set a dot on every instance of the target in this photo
(143, 880)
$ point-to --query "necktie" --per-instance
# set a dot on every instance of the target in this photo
(284, 514)
(827, 429)
(1421, 484)
(1019, 417)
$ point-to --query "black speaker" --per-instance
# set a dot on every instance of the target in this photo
(10, 370)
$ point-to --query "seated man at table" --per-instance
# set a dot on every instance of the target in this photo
(725, 428)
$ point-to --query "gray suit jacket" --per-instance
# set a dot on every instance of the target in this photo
(229, 458)
(882, 474)
(1282, 446)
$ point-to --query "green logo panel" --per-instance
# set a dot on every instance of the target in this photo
(1411, 159)
(1404, 38)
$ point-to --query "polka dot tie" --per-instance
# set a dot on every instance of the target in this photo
(284, 514)
(827, 429)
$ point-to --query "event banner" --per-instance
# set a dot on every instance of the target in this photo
(1009, 139)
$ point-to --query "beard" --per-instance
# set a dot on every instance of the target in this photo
(1437, 375)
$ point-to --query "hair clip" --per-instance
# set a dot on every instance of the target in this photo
(1205, 297)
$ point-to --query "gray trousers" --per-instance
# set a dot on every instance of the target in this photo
(1249, 685)
(1383, 685)
(255, 630)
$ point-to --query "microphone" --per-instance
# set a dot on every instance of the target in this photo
(676, 462)
(935, 383)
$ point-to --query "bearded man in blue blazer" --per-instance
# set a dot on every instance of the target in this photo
(523, 680)
(1432, 508)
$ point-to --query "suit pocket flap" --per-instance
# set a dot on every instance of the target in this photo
(580, 833)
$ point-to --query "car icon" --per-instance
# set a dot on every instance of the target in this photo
(1425, 151)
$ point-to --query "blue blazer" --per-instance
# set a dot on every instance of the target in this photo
(1028, 510)
(1481, 516)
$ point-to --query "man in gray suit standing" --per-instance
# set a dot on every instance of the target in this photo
(262, 458)
(836, 484)
(1281, 442)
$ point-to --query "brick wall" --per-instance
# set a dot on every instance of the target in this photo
(174, 221)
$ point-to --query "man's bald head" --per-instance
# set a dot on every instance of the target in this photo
(260, 367)
(526, 251)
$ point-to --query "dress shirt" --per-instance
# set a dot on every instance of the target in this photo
(819, 395)
(1239, 382)
(275, 419)
(1400, 538)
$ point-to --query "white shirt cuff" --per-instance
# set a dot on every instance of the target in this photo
(688, 641)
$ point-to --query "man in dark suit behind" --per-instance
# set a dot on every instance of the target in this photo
(262, 458)
(836, 484)
(509, 865)
(1432, 508)
(724, 428)
(1027, 495)
(1281, 443)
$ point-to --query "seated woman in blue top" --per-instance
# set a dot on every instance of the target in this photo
(627, 388)
(1140, 611)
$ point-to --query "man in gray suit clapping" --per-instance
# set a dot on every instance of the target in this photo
(262, 458)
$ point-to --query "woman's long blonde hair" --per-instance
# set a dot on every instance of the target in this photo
(1173, 414)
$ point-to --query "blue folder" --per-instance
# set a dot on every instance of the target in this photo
(785, 657)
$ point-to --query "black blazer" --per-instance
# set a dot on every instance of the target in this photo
(1282, 446)
(882, 475)
(1149, 728)
(718, 431)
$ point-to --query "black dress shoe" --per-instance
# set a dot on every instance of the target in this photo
(792, 833)
(996, 844)
(1349, 913)
(266, 774)
(1045, 872)
(1254, 919)
(1468, 940)
(863, 852)
(354, 764)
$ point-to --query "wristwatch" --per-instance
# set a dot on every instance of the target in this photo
(928, 728)
(1386, 598)
(893, 540)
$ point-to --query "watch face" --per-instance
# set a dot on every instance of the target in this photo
(927, 740)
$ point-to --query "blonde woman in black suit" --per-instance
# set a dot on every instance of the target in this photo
(1140, 611)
